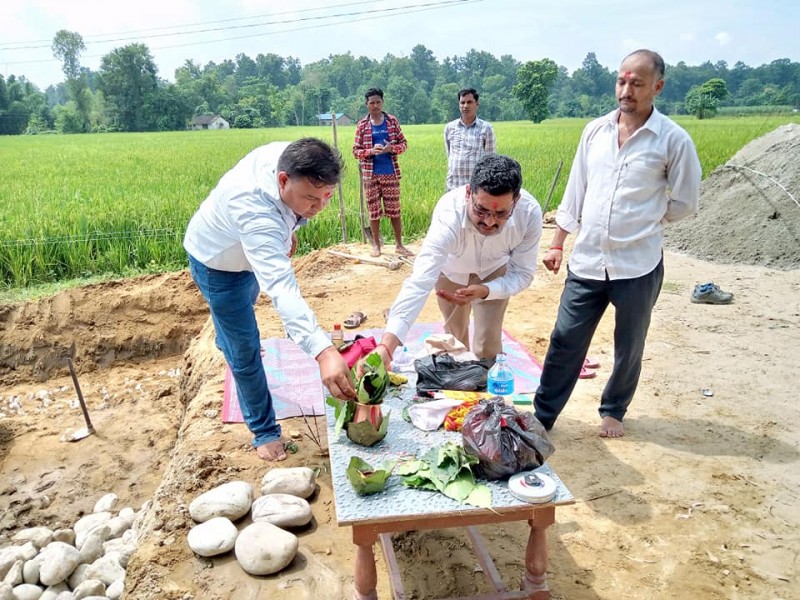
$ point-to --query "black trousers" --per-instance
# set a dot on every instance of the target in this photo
(583, 303)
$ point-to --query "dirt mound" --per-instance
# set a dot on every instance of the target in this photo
(749, 210)
(110, 323)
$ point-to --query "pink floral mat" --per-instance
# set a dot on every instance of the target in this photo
(297, 389)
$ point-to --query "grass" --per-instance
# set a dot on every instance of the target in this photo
(79, 206)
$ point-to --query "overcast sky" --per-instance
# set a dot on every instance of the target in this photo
(755, 32)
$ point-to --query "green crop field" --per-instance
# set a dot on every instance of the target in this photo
(96, 204)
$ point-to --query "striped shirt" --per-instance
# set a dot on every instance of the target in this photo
(363, 144)
(465, 146)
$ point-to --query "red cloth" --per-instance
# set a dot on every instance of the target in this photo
(358, 349)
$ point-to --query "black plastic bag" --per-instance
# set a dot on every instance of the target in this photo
(505, 440)
(443, 372)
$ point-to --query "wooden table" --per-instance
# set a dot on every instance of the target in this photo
(398, 508)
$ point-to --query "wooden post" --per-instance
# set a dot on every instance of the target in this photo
(552, 187)
(342, 217)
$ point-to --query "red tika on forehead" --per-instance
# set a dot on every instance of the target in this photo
(627, 75)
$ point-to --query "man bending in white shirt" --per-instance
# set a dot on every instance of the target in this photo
(635, 171)
(240, 242)
(479, 251)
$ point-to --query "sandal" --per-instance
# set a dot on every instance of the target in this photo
(587, 373)
(354, 320)
(590, 362)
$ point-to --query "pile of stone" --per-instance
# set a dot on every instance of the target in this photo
(85, 562)
(264, 546)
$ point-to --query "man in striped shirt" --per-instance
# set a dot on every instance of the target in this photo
(378, 141)
(466, 140)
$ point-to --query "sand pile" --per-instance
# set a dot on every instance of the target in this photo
(745, 216)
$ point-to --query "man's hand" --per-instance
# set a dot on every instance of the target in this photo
(376, 149)
(465, 295)
(335, 374)
(552, 260)
(294, 245)
(388, 149)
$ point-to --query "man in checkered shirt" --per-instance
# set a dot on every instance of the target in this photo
(466, 140)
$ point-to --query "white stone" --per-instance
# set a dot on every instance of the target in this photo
(30, 570)
(89, 587)
(64, 535)
(64, 596)
(14, 575)
(39, 536)
(58, 562)
(215, 536)
(106, 569)
(106, 503)
(127, 513)
(92, 547)
(116, 589)
(120, 550)
(231, 500)
(117, 526)
(263, 548)
(297, 481)
(8, 556)
(85, 524)
(78, 576)
(28, 551)
(26, 591)
(5, 592)
(283, 510)
(52, 592)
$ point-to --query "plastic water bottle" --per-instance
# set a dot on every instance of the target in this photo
(500, 381)
(402, 361)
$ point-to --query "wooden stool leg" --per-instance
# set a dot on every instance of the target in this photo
(535, 579)
(366, 575)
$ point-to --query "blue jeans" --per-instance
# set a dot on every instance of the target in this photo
(230, 297)
(582, 305)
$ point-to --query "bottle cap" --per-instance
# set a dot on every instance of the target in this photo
(337, 326)
(533, 487)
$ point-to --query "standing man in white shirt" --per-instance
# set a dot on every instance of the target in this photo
(635, 171)
(479, 251)
(240, 242)
(466, 140)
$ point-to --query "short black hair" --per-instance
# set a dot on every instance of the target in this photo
(373, 92)
(466, 91)
(655, 57)
(496, 175)
(313, 159)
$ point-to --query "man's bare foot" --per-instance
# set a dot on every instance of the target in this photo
(272, 451)
(611, 428)
(403, 251)
(375, 252)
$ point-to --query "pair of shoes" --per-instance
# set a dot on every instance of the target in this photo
(710, 293)
(354, 320)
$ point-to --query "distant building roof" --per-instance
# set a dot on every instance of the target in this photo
(328, 117)
(204, 119)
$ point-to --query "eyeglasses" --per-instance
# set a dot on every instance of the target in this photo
(485, 213)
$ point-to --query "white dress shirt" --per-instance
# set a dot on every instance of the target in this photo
(243, 225)
(455, 248)
(620, 198)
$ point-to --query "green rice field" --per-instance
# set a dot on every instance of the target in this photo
(78, 206)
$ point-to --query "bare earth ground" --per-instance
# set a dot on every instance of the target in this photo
(701, 499)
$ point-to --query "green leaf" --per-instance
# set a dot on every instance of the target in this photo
(372, 385)
(461, 487)
(343, 412)
(409, 467)
(481, 495)
(368, 480)
(365, 434)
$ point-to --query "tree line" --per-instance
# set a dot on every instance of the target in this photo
(127, 94)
